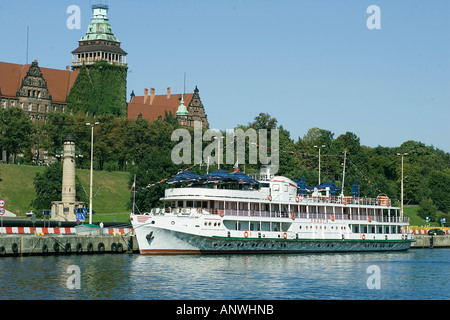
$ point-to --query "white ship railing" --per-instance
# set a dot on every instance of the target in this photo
(252, 195)
(278, 214)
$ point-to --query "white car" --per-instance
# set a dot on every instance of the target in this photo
(30, 213)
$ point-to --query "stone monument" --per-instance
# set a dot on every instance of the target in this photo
(65, 209)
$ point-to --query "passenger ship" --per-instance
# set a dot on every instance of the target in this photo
(233, 213)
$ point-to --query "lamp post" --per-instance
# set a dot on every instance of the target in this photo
(401, 195)
(218, 150)
(92, 168)
(319, 147)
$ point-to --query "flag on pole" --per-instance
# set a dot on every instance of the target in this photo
(134, 184)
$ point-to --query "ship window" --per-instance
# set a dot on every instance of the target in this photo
(243, 225)
(276, 187)
(254, 226)
(276, 226)
(230, 224)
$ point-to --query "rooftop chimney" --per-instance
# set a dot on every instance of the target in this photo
(152, 95)
(168, 93)
(145, 95)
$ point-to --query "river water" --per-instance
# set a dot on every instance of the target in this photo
(414, 274)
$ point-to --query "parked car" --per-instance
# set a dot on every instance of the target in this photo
(436, 232)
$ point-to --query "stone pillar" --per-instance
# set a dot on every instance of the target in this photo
(64, 210)
(68, 180)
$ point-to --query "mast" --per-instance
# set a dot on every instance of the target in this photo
(134, 193)
(343, 173)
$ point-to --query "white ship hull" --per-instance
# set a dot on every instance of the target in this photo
(206, 234)
(274, 217)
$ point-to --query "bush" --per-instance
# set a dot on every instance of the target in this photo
(427, 209)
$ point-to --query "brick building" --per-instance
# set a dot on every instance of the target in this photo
(154, 107)
(34, 89)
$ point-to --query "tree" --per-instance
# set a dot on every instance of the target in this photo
(263, 121)
(427, 209)
(439, 185)
(16, 129)
(48, 187)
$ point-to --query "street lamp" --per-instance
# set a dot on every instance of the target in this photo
(92, 168)
(319, 147)
(218, 150)
(401, 195)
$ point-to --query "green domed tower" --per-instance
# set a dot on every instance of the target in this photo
(101, 86)
(99, 42)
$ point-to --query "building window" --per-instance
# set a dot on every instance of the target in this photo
(30, 107)
(3, 104)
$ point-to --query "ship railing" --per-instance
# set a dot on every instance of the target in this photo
(380, 201)
(304, 215)
(280, 214)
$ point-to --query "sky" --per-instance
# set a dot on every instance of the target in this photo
(311, 63)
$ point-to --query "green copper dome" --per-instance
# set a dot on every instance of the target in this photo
(182, 110)
(99, 28)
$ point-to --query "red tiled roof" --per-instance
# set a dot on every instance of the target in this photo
(159, 104)
(59, 82)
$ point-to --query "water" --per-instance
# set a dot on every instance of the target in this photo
(415, 274)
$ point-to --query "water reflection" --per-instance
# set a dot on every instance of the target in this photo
(302, 276)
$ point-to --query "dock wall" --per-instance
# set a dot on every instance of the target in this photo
(426, 241)
(26, 245)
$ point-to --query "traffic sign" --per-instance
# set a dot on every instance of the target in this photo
(80, 216)
(2, 211)
(2, 203)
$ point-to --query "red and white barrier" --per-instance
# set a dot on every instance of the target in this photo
(60, 230)
(121, 231)
(31, 230)
(425, 232)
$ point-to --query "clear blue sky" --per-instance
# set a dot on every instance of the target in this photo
(311, 63)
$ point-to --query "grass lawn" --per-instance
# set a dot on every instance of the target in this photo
(411, 212)
(111, 193)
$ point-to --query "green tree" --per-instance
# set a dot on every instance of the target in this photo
(439, 186)
(427, 209)
(16, 129)
(48, 187)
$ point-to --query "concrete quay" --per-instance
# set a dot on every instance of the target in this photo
(27, 245)
(426, 241)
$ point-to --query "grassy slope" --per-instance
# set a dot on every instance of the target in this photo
(110, 192)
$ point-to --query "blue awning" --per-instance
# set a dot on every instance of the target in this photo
(302, 186)
(185, 176)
